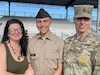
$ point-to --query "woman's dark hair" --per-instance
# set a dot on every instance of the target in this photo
(23, 41)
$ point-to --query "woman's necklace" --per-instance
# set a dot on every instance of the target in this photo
(18, 56)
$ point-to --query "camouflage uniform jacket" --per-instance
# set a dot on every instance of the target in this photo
(79, 54)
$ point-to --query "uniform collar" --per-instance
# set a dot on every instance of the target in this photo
(49, 37)
(85, 35)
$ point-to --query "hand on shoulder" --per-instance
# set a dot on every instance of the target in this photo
(36, 35)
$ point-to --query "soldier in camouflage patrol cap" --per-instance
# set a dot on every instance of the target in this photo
(83, 11)
(80, 49)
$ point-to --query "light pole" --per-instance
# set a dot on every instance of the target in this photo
(98, 18)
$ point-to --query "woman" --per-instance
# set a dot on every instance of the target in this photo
(13, 50)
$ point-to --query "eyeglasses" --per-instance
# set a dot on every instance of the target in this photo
(19, 30)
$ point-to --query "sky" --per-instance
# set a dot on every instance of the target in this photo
(30, 10)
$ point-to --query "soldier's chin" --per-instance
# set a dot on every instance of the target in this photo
(43, 32)
(81, 31)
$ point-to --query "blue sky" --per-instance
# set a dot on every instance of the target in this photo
(26, 9)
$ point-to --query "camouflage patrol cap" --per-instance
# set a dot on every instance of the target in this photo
(83, 11)
(42, 14)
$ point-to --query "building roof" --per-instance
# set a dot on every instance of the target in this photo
(59, 2)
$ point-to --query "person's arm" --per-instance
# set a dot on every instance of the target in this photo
(59, 70)
(3, 66)
(96, 63)
(29, 59)
(60, 60)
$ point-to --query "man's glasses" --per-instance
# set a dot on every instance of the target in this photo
(19, 30)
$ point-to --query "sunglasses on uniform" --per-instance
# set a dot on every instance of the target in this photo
(19, 30)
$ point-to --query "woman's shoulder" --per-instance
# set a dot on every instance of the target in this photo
(2, 47)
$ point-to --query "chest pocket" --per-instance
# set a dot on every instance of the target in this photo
(34, 56)
(52, 59)
(52, 55)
